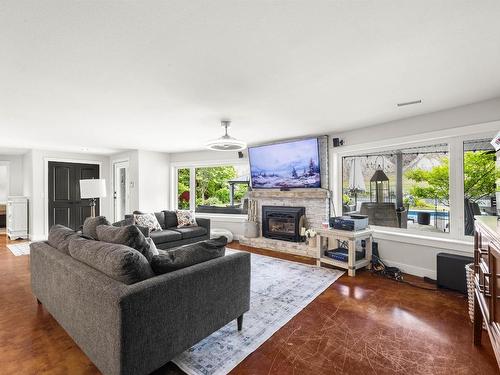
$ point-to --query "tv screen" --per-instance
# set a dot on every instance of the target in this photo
(292, 164)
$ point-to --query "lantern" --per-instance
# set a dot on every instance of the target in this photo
(379, 186)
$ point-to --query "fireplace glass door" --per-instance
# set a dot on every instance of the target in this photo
(282, 225)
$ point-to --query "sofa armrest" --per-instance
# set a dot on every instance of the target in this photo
(165, 315)
(204, 222)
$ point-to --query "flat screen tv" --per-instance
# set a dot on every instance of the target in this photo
(293, 164)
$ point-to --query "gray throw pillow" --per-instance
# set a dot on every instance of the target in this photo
(131, 221)
(188, 255)
(119, 262)
(59, 237)
(129, 235)
(90, 226)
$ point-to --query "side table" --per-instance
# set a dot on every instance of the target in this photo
(332, 235)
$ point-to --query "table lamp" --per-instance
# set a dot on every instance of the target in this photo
(92, 189)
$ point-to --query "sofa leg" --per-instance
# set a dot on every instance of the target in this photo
(38, 301)
(240, 322)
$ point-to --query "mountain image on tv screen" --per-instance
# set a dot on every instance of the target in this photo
(286, 165)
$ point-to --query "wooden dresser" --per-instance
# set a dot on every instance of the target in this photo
(487, 280)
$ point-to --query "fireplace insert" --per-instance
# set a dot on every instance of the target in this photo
(282, 222)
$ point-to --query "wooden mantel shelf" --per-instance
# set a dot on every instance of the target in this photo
(292, 193)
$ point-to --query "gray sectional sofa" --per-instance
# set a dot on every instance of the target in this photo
(137, 328)
(170, 236)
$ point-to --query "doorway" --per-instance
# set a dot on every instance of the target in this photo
(65, 205)
(4, 194)
(121, 195)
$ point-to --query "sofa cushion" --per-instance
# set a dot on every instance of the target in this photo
(119, 262)
(129, 235)
(130, 221)
(166, 235)
(185, 218)
(188, 255)
(160, 216)
(170, 219)
(147, 220)
(59, 237)
(191, 232)
(90, 226)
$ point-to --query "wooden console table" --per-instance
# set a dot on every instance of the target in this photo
(486, 280)
(332, 236)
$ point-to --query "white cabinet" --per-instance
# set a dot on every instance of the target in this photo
(17, 217)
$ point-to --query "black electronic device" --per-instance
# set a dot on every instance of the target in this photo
(451, 271)
(349, 222)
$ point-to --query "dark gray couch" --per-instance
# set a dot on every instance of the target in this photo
(135, 329)
(170, 236)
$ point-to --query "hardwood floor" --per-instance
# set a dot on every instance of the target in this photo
(361, 325)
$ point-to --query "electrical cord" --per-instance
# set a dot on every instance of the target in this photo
(393, 273)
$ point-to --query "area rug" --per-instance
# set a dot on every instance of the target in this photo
(17, 249)
(279, 290)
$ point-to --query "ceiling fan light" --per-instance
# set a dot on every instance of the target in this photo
(226, 142)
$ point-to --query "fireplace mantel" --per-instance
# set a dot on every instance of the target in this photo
(290, 194)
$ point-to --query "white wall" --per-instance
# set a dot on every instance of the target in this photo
(149, 179)
(154, 181)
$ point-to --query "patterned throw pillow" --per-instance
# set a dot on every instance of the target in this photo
(147, 220)
(185, 218)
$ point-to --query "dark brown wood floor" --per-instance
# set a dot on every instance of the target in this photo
(361, 325)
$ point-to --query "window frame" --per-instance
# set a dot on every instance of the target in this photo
(454, 138)
(175, 166)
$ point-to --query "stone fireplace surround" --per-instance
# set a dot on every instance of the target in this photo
(316, 203)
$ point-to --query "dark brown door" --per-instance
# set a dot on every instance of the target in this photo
(65, 205)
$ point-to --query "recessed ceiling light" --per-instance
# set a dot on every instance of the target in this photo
(409, 103)
(84, 149)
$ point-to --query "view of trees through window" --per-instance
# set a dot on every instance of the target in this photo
(216, 189)
(480, 177)
(412, 192)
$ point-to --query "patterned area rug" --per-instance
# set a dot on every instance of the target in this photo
(22, 248)
(279, 290)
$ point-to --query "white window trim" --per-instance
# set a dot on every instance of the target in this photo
(192, 165)
(455, 138)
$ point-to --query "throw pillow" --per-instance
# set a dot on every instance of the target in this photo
(129, 235)
(90, 225)
(188, 255)
(185, 218)
(130, 221)
(119, 262)
(147, 220)
(59, 237)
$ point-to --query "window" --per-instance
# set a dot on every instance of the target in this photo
(183, 184)
(405, 188)
(216, 189)
(480, 181)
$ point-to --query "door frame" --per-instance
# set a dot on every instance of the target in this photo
(6, 163)
(114, 164)
(46, 184)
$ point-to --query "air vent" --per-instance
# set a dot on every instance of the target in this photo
(409, 103)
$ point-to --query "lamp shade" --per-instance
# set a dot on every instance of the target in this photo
(94, 188)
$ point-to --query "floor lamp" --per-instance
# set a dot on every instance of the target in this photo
(92, 189)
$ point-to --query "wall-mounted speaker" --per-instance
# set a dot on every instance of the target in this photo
(337, 142)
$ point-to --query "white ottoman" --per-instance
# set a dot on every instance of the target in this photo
(218, 232)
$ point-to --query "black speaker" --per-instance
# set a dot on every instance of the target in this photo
(451, 271)
(240, 154)
(337, 142)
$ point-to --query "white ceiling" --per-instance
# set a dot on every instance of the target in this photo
(159, 75)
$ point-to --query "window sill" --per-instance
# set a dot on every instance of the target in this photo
(462, 246)
(223, 217)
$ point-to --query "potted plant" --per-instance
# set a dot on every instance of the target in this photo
(251, 225)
